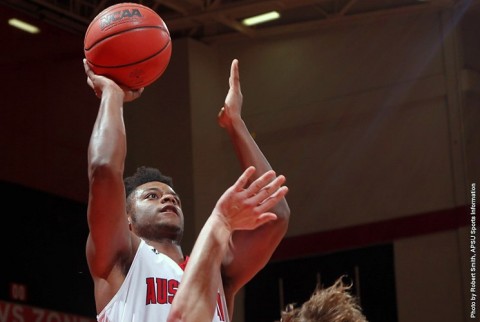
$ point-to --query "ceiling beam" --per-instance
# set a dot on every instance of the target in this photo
(424, 7)
(230, 10)
(68, 13)
(234, 24)
(174, 5)
(347, 7)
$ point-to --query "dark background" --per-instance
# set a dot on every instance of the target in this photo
(46, 237)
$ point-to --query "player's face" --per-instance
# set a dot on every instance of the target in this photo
(158, 211)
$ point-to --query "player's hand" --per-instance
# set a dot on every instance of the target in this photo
(101, 84)
(246, 207)
(232, 107)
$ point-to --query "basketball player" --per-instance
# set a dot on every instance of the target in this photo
(136, 225)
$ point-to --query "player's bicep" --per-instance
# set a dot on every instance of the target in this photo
(109, 235)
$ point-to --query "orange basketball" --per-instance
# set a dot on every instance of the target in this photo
(129, 43)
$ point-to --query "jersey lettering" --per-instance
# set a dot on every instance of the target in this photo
(162, 291)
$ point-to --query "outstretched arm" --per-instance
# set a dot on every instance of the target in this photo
(241, 207)
(109, 236)
(251, 249)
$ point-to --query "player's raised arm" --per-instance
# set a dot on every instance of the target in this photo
(109, 235)
(252, 249)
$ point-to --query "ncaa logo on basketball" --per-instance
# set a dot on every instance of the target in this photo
(119, 16)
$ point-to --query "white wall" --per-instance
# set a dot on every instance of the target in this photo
(366, 122)
(358, 115)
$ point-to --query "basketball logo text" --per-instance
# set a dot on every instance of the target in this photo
(116, 16)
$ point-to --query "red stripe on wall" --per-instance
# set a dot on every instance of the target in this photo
(373, 233)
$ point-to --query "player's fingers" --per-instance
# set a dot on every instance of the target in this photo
(260, 183)
(89, 82)
(234, 74)
(243, 179)
(136, 93)
(87, 68)
(269, 189)
(264, 218)
(272, 200)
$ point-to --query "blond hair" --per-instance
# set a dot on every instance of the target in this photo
(332, 304)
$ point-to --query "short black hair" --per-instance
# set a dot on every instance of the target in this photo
(143, 175)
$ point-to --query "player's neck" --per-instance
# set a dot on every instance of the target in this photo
(167, 247)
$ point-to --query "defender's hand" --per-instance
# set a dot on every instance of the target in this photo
(245, 207)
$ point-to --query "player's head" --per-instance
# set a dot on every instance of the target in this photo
(153, 207)
(332, 304)
(144, 175)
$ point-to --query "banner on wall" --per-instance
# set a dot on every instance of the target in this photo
(14, 312)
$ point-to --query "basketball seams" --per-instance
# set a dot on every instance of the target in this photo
(126, 31)
(136, 62)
